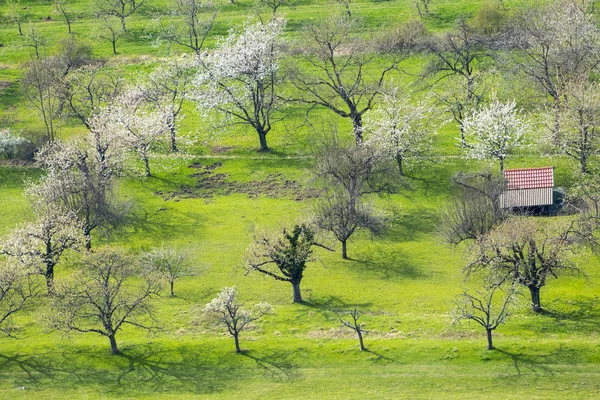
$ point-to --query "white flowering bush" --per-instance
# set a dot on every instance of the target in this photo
(13, 146)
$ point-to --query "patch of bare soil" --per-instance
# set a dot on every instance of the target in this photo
(4, 84)
(210, 183)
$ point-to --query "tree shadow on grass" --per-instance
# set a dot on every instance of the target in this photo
(414, 224)
(141, 370)
(542, 364)
(582, 315)
(332, 303)
(388, 263)
(275, 364)
(381, 359)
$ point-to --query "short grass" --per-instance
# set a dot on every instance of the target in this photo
(405, 281)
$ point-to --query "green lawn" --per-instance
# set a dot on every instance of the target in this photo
(405, 281)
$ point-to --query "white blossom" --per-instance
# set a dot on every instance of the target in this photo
(400, 128)
(496, 130)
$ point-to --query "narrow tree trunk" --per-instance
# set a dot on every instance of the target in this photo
(123, 27)
(535, 298)
(463, 139)
(297, 292)
(344, 252)
(174, 148)
(88, 240)
(262, 136)
(399, 161)
(360, 339)
(357, 127)
(584, 164)
(113, 344)
(237, 343)
(172, 283)
(501, 165)
(49, 275)
(20, 30)
(68, 25)
(147, 166)
(114, 46)
(489, 339)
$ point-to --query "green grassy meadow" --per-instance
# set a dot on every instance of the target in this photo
(405, 281)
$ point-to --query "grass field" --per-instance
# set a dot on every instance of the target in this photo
(405, 282)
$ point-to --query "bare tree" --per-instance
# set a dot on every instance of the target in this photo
(338, 78)
(198, 20)
(89, 89)
(422, 7)
(108, 293)
(120, 9)
(580, 117)
(241, 79)
(168, 262)
(484, 309)
(475, 208)
(350, 320)
(36, 41)
(13, 12)
(525, 252)
(42, 86)
(287, 251)
(62, 7)
(274, 5)
(460, 58)
(16, 289)
(39, 245)
(348, 174)
(167, 88)
(110, 32)
(226, 310)
(557, 44)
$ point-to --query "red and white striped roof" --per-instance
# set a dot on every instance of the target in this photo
(529, 178)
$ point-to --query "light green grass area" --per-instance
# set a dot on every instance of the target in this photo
(405, 281)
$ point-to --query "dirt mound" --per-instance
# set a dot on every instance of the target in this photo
(210, 183)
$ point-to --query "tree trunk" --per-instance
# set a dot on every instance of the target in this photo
(172, 283)
(123, 27)
(297, 292)
(114, 46)
(535, 298)
(360, 339)
(147, 166)
(489, 339)
(49, 275)
(19, 26)
(262, 136)
(174, 148)
(357, 127)
(584, 163)
(113, 344)
(463, 139)
(501, 165)
(88, 240)
(237, 343)
(399, 161)
(344, 252)
(68, 25)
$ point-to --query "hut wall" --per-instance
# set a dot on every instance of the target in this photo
(526, 197)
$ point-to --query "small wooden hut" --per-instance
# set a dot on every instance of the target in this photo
(528, 187)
